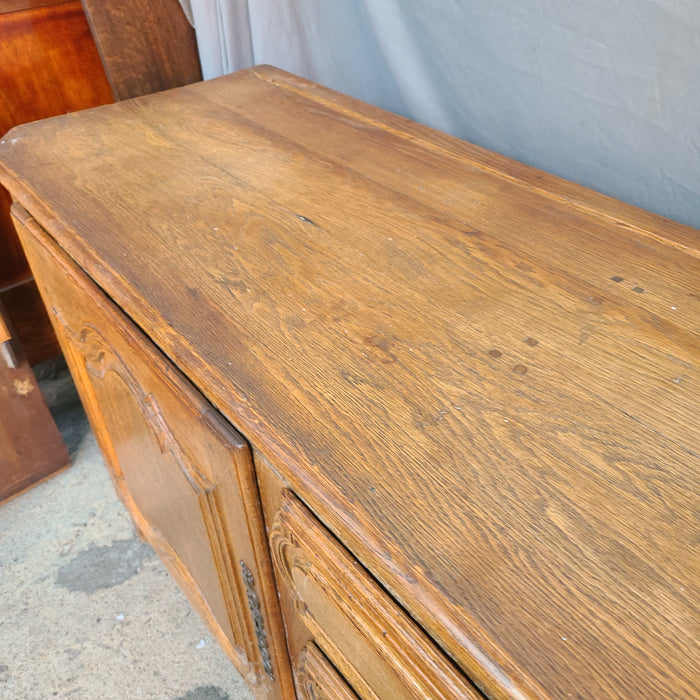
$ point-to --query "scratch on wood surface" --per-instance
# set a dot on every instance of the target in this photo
(23, 387)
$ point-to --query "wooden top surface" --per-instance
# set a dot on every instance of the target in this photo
(482, 378)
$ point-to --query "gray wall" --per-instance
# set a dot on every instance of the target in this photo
(602, 92)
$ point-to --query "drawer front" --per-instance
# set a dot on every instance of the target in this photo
(185, 475)
(31, 447)
(316, 679)
(329, 598)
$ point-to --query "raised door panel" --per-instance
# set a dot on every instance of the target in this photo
(171, 498)
(185, 474)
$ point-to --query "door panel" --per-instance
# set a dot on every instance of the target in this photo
(183, 472)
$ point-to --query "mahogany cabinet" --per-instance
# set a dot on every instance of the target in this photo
(405, 418)
(48, 65)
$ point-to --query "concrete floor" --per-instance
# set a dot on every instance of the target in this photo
(87, 611)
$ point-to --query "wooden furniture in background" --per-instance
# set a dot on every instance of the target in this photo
(49, 65)
(31, 447)
(145, 46)
(469, 388)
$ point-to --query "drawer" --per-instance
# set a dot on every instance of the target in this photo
(317, 679)
(329, 597)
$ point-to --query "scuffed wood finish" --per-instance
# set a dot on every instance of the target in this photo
(482, 379)
(145, 46)
(316, 679)
(31, 448)
(374, 644)
(185, 475)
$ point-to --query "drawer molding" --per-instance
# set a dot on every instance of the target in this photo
(100, 359)
(305, 552)
(317, 679)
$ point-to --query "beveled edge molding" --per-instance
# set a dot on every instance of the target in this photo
(317, 679)
(405, 648)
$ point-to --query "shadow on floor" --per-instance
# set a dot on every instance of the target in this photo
(64, 403)
(86, 609)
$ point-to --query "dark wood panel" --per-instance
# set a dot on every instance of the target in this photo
(13, 264)
(26, 310)
(31, 448)
(5, 334)
(146, 46)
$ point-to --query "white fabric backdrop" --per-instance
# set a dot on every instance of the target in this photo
(602, 92)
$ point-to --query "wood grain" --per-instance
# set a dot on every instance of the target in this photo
(145, 46)
(427, 342)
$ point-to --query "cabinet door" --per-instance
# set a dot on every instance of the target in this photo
(185, 475)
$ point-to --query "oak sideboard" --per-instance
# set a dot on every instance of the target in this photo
(405, 418)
